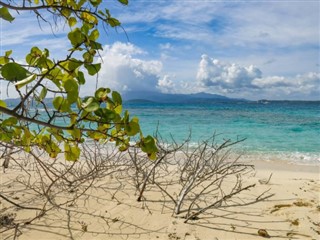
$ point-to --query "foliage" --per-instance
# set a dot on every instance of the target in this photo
(99, 117)
(194, 182)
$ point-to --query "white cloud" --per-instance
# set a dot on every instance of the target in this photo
(166, 85)
(227, 77)
(239, 81)
(122, 70)
(305, 84)
(178, 11)
(244, 32)
(185, 32)
(230, 23)
(165, 46)
(27, 31)
(277, 23)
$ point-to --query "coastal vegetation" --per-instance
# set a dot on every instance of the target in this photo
(68, 159)
(99, 117)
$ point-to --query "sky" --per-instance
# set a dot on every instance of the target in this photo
(240, 49)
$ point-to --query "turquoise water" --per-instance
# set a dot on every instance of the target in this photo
(283, 130)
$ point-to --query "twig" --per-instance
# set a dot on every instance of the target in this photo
(19, 206)
(194, 215)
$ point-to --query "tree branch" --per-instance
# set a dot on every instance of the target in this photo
(17, 205)
(217, 202)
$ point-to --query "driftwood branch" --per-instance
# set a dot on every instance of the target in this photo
(217, 203)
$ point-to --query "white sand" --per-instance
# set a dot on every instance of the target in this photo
(105, 213)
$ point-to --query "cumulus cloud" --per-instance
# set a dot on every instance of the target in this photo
(166, 85)
(228, 77)
(122, 70)
(306, 84)
(125, 68)
(214, 75)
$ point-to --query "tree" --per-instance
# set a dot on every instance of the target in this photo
(99, 117)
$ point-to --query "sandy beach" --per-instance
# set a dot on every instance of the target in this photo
(159, 120)
(109, 210)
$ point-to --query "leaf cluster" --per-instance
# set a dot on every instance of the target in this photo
(71, 119)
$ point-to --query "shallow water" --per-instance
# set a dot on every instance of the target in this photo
(284, 130)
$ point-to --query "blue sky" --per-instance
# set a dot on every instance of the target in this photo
(247, 49)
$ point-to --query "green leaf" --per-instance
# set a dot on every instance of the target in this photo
(113, 22)
(132, 128)
(54, 153)
(89, 18)
(57, 133)
(86, 28)
(106, 115)
(65, 12)
(81, 2)
(43, 94)
(26, 138)
(107, 12)
(36, 51)
(45, 53)
(8, 53)
(91, 105)
(102, 94)
(61, 104)
(57, 102)
(148, 145)
(116, 98)
(104, 127)
(72, 21)
(124, 2)
(4, 60)
(56, 76)
(3, 103)
(94, 35)
(81, 79)
(13, 72)
(4, 14)
(96, 45)
(88, 58)
(71, 88)
(124, 147)
(76, 37)
(11, 121)
(33, 57)
(71, 64)
(118, 109)
(71, 152)
(75, 133)
(73, 118)
(49, 2)
(25, 81)
(95, 3)
(152, 156)
(93, 68)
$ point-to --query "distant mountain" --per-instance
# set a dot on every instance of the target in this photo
(154, 97)
(175, 98)
(12, 102)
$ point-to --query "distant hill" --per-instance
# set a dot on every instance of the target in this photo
(175, 98)
(155, 97)
(12, 102)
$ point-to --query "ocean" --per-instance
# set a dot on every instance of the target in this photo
(274, 130)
